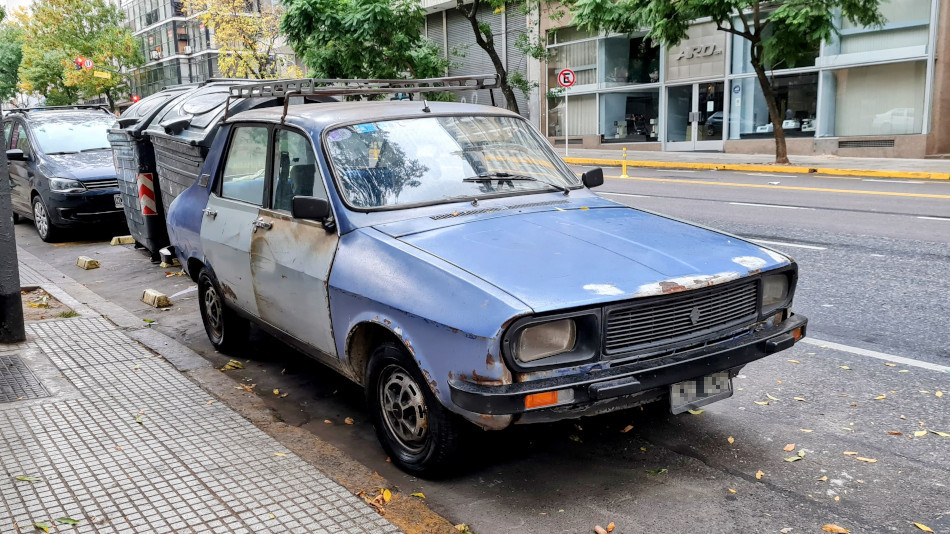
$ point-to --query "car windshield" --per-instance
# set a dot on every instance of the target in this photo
(75, 133)
(431, 159)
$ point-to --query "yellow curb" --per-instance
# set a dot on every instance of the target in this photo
(790, 169)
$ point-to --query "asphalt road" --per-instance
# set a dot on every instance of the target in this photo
(874, 275)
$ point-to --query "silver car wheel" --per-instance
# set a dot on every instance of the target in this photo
(214, 312)
(404, 408)
(40, 218)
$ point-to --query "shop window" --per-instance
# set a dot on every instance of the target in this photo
(579, 57)
(568, 34)
(877, 100)
(797, 101)
(582, 112)
(742, 59)
(628, 61)
(629, 117)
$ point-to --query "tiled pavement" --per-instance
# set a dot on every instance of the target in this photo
(123, 442)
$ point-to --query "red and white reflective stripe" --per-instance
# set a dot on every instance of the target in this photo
(147, 194)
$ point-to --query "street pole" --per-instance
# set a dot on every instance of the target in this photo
(12, 329)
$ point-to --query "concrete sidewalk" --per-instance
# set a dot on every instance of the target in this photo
(99, 425)
(936, 169)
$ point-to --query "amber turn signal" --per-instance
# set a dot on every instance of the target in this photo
(538, 400)
(797, 334)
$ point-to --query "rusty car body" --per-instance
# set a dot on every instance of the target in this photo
(443, 256)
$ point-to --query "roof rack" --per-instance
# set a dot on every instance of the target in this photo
(358, 87)
(102, 107)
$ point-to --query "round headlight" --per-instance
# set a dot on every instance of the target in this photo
(774, 290)
(546, 339)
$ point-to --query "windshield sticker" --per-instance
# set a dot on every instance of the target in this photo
(365, 128)
(339, 135)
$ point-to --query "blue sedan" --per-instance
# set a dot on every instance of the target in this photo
(443, 257)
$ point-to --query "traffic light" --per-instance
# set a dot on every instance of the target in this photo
(136, 98)
(79, 61)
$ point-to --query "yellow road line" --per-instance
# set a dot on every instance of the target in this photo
(870, 173)
(785, 187)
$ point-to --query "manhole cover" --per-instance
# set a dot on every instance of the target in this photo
(17, 382)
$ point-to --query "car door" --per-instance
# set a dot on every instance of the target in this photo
(21, 172)
(291, 258)
(230, 218)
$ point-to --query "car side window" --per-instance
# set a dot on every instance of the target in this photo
(295, 170)
(21, 140)
(246, 166)
(7, 129)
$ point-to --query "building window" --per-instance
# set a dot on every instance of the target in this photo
(908, 24)
(797, 101)
(579, 57)
(628, 61)
(877, 100)
(742, 60)
(582, 112)
(629, 117)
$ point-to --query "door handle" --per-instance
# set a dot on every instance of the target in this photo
(210, 212)
(259, 223)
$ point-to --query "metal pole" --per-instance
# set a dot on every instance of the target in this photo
(567, 118)
(12, 329)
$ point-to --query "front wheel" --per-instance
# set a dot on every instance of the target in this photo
(417, 432)
(225, 328)
(41, 219)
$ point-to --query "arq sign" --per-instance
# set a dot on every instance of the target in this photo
(691, 52)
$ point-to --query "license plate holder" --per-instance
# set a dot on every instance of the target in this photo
(691, 394)
(118, 200)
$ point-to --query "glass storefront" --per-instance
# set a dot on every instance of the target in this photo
(798, 106)
(630, 117)
(877, 100)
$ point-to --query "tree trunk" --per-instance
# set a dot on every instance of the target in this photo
(781, 151)
(11, 308)
(110, 100)
(487, 43)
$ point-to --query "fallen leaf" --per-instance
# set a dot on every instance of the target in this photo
(786, 530)
(387, 495)
(762, 403)
(849, 453)
(845, 367)
(599, 529)
(771, 397)
(759, 474)
(271, 516)
(806, 430)
(577, 439)
(42, 526)
(868, 460)
(657, 471)
(793, 361)
(731, 440)
(889, 364)
(418, 494)
(837, 498)
(696, 412)
(327, 421)
(939, 394)
(793, 459)
(22, 478)
(880, 397)
(463, 528)
(279, 454)
(644, 449)
(801, 453)
(611, 526)
(246, 387)
(789, 448)
(823, 479)
(895, 433)
(831, 527)
(66, 521)
(920, 433)
(731, 490)
(138, 419)
(941, 434)
(903, 371)
(923, 527)
(276, 392)
(349, 421)
(282, 395)
(210, 402)
(799, 399)
(903, 417)
(626, 429)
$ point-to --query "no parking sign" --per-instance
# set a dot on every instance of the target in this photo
(566, 78)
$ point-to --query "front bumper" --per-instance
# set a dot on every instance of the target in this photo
(640, 379)
(79, 209)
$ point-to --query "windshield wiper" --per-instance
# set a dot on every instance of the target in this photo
(95, 149)
(507, 177)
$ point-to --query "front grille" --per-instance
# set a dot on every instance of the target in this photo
(106, 183)
(675, 319)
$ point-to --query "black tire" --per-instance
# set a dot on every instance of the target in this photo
(44, 226)
(226, 330)
(436, 432)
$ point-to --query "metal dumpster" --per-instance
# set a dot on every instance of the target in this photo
(134, 160)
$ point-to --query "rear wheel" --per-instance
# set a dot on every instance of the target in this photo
(41, 219)
(225, 328)
(417, 432)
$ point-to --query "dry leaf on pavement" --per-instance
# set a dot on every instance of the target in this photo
(849, 453)
(418, 494)
(771, 397)
(789, 448)
(611, 526)
(895, 433)
(868, 460)
(923, 527)
(731, 440)
(920, 433)
(799, 399)
(939, 394)
(387, 495)
(626, 429)
(793, 361)
(762, 403)
(941, 434)
(759, 474)
(823, 479)
(806, 430)
(731, 490)
(348, 420)
(279, 454)
(880, 397)
(889, 364)
(845, 367)
(599, 530)
(831, 527)
(696, 412)
(793, 459)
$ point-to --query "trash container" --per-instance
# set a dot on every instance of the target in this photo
(134, 160)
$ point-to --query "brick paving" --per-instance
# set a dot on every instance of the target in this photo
(123, 442)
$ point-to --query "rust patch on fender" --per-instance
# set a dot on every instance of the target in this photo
(493, 422)
(489, 360)
(671, 287)
(432, 383)
(227, 291)
(408, 344)
(484, 380)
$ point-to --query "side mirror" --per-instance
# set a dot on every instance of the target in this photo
(593, 178)
(313, 208)
(16, 154)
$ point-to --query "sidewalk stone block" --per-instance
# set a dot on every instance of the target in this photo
(85, 262)
(155, 299)
(122, 240)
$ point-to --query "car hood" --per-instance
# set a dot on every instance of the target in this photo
(565, 258)
(81, 166)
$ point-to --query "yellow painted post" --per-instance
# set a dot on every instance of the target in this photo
(624, 175)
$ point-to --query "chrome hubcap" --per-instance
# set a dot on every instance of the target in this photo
(404, 408)
(213, 312)
(39, 217)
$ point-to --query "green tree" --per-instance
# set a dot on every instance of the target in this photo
(60, 31)
(361, 38)
(779, 33)
(11, 53)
